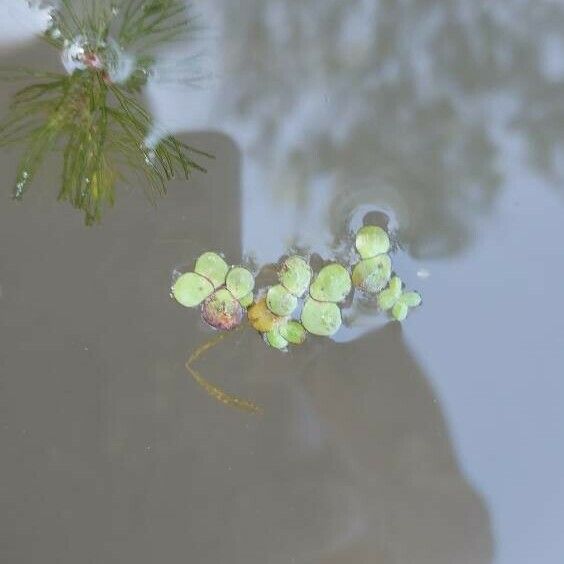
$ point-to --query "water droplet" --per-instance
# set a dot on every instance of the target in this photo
(96, 54)
(20, 184)
(150, 157)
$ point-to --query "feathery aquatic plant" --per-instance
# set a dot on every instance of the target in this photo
(91, 112)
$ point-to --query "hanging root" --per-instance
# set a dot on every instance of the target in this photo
(215, 392)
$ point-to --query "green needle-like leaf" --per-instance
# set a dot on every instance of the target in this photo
(99, 123)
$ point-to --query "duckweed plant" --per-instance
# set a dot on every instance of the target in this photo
(302, 304)
(91, 111)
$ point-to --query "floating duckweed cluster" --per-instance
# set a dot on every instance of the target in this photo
(300, 303)
(222, 292)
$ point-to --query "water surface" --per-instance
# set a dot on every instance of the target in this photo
(438, 441)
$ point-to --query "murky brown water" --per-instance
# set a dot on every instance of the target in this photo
(439, 441)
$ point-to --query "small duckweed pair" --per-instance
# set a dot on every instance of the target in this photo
(300, 303)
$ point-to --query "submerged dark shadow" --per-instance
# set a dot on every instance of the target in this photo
(378, 406)
(114, 452)
(85, 318)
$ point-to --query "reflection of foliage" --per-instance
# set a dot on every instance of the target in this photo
(400, 104)
(224, 293)
(92, 110)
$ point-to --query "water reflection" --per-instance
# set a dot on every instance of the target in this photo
(374, 400)
(353, 462)
(405, 105)
(350, 463)
(419, 108)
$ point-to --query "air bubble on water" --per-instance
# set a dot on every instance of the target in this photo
(151, 143)
(82, 53)
(423, 273)
(73, 54)
(20, 185)
(87, 180)
(176, 273)
(21, 182)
